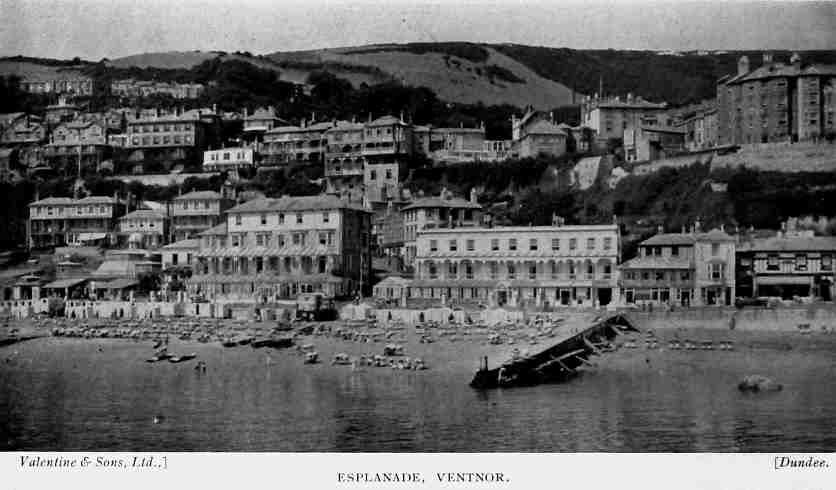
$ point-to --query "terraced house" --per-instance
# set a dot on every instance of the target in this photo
(551, 266)
(273, 249)
(196, 212)
(59, 221)
(688, 269)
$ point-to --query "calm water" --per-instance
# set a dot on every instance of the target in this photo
(64, 394)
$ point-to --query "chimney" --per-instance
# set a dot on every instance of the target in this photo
(660, 229)
(795, 60)
(473, 195)
(214, 108)
(743, 65)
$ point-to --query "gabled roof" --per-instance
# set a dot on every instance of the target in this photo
(299, 203)
(199, 195)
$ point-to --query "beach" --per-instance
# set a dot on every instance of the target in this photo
(84, 393)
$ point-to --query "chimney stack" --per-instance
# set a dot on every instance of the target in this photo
(743, 65)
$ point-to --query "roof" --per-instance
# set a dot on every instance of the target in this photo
(219, 229)
(657, 263)
(299, 203)
(670, 239)
(64, 283)
(790, 244)
(263, 113)
(544, 127)
(385, 121)
(199, 195)
(346, 126)
(53, 201)
(440, 202)
(143, 213)
(783, 70)
(96, 200)
(188, 243)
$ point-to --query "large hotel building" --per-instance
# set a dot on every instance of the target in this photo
(271, 249)
(517, 266)
(776, 102)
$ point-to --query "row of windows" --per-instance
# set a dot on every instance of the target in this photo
(226, 156)
(58, 211)
(533, 244)
(158, 128)
(773, 262)
(511, 270)
(300, 217)
(165, 140)
(264, 239)
(658, 275)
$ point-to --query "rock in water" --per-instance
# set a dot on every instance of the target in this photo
(757, 382)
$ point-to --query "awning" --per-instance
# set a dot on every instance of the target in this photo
(117, 284)
(779, 280)
(64, 283)
(87, 237)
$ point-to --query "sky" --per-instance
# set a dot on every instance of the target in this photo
(93, 29)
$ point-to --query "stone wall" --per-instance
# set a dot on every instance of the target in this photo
(819, 318)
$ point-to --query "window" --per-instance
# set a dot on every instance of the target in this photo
(452, 270)
(772, 263)
(657, 251)
(468, 271)
(259, 240)
(494, 270)
(571, 270)
(453, 245)
(685, 276)
(432, 270)
(532, 271)
(281, 241)
(716, 271)
(645, 276)
(590, 244)
(326, 217)
(532, 244)
(494, 244)
(715, 249)
(263, 219)
(660, 276)
(388, 174)
(237, 219)
(554, 270)
(298, 218)
(512, 244)
(471, 245)
(323, 239)
(235, 240)
(373, 175)
(573, 243)
(801, 262)
(512, 271)
(826, 262)
(675, 251)
(555, 243)
(281, 218)
(607, 243)
(433, 246)
(590, 270)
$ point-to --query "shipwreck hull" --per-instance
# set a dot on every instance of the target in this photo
(558, 363)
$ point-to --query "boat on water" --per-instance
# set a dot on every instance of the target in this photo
(557, 363)
(182, 358)
(311, 358)
(341, 360)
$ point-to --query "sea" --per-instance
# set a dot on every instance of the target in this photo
(85, 395)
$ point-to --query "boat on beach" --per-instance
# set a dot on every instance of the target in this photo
(557, 363)
(182, 358)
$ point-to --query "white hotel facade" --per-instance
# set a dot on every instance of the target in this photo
(563, 265)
